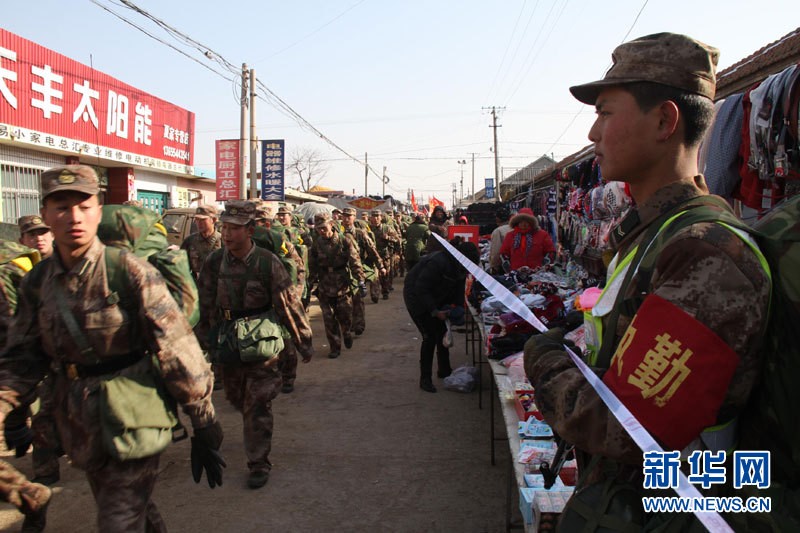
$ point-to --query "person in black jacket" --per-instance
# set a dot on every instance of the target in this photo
(431, 287)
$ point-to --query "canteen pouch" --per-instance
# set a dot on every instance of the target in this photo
(259, 338)
(135, 417)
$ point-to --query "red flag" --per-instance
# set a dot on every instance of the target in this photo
(414, 203)
(435, 202)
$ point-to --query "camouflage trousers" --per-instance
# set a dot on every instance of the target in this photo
(250, 388)
(15, 489)
(287, 362)
(122, 491)
(384, 281)
(46, 444)
(337, 314)
(359, 318)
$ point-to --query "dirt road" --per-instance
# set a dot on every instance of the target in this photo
(357, 447)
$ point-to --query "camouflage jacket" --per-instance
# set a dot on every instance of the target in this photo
(39, 340)
(12, 258)
(334, 264)
(216, 295)
(704, 269)
(386, 239)
(365, 245)
(198, 248)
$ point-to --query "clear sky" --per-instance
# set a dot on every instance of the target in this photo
(404, 81)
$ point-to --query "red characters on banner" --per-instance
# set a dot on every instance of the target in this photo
(671, 371)
(227, 170)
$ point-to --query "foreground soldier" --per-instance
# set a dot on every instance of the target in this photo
(370, 262)
(105, 346)
(247, 299)
(334, 265)
(199, 245)
(685, 345)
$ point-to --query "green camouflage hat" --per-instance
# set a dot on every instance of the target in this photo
(206, 211)
(30, 223)
(664, 58)
(240, 212)
(80, 178)
(348, 211)
(321, 218)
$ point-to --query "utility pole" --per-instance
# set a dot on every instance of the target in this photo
(383, 188)
(473, 175)
(253, 138)
(496, 155)
(242, 136)
(461, 163)
(366, 173)
(455, 190)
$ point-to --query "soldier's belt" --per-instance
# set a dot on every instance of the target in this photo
(236, 314)
(78, 371)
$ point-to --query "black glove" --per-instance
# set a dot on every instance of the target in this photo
(205, 454)
(362, 289)
(18, 438)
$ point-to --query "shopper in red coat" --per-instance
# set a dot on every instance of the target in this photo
(526, 244)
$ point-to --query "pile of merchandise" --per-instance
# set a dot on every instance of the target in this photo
(549, 292)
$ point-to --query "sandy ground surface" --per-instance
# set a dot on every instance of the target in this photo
(357, 447)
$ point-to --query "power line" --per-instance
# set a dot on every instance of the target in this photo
(334, 19)
(270, 97)
(574, 118)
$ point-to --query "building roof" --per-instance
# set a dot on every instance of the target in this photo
(769, 59)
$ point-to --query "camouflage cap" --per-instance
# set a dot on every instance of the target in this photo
(284, 210)
(206, 211)
(665, 58)
(321, 218)
(375, 212)
(263, 212)
(336, 210)
(30, 223)
(240, 212)
(348, 211)
(79, 178)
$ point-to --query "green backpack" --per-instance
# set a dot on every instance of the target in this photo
(272, 240)
(140, 232)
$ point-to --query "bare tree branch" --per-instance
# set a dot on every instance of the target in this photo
(307, 166)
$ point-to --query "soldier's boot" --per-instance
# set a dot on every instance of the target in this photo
(257, 479)
(37, 498)
(287, 387)
(45, 465)
(348, 340)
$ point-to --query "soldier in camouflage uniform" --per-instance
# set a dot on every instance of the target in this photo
(334, 264)
(244, 280)
(84, 336)
(402, 226)
(371, 263)
(287, 359)
(697, 368)
(34, 233)
(417, 236)
(385, 241)
(200, 244)
(299, 239)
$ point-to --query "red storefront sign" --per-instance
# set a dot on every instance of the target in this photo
(366, 203)
(51, 101)
(468, 233)
(227, 170)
